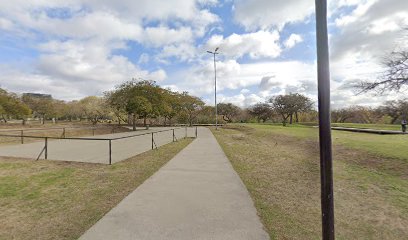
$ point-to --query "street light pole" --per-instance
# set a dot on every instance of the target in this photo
(326, 162)
(215, 87)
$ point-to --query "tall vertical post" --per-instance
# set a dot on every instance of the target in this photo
(22, 136)
(215, 94)
(323, 78)
(110, 151)
(185, 136)
(196, 132)
(173, 135)
(215, 87)
(152, 141)
(46, 148)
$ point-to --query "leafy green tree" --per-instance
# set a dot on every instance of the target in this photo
(289, 105)
(94, 109)
(171, 105)
(138, 105)
(261, 111)
(228, 111)
(12, 107)
(41, 107)
(190, 106)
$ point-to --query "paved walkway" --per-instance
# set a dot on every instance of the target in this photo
(197, 195)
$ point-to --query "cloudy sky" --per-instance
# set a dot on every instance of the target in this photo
(76, 48)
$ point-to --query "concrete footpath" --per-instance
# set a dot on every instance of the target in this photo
(197, 195)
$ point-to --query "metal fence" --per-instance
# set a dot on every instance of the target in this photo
(60, 132)
(90, 149)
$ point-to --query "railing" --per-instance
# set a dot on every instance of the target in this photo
(44, 150)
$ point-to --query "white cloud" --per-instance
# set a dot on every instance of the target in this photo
(293, 40)
(266, 14)
(232, 75)
(162, 36)
(242, 100)
(74, 69)
(256, 45)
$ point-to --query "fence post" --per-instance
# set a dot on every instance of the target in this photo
(22, 136)
(110, 152)
(152, 141)
(196, 132)
(46, 148)
(173, 134)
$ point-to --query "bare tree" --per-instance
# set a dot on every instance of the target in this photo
(394, 77)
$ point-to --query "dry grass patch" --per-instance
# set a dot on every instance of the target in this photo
(282, 174)
(61, 200)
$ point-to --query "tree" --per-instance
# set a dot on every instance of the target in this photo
(262, 111)
(117, 102)
(121, 96)
(94, 109)
(12, 106)
(191, 106)
(341, 115)
(393, 78)
(138, 105)
(206, 115)
(171, 105)
(289, 105)
(397, 109)
(40, 106)
(228, 111)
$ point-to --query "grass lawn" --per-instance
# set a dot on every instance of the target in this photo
(61, 200)
(280, 167)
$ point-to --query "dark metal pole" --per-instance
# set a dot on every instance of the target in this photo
(110, 152)
(323, 78)
(152, 141)
(46, 148)
(22, 136)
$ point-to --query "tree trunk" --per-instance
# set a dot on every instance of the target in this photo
(134, 122)
(296, 117)
(290, 118)
(394, 119)
(144, 121)
(43, 119)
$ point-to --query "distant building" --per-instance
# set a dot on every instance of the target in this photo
(37, 95)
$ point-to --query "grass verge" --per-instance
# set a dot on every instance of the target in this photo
(280, 167)
(61, 200)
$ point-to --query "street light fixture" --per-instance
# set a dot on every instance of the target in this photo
(215, 86)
